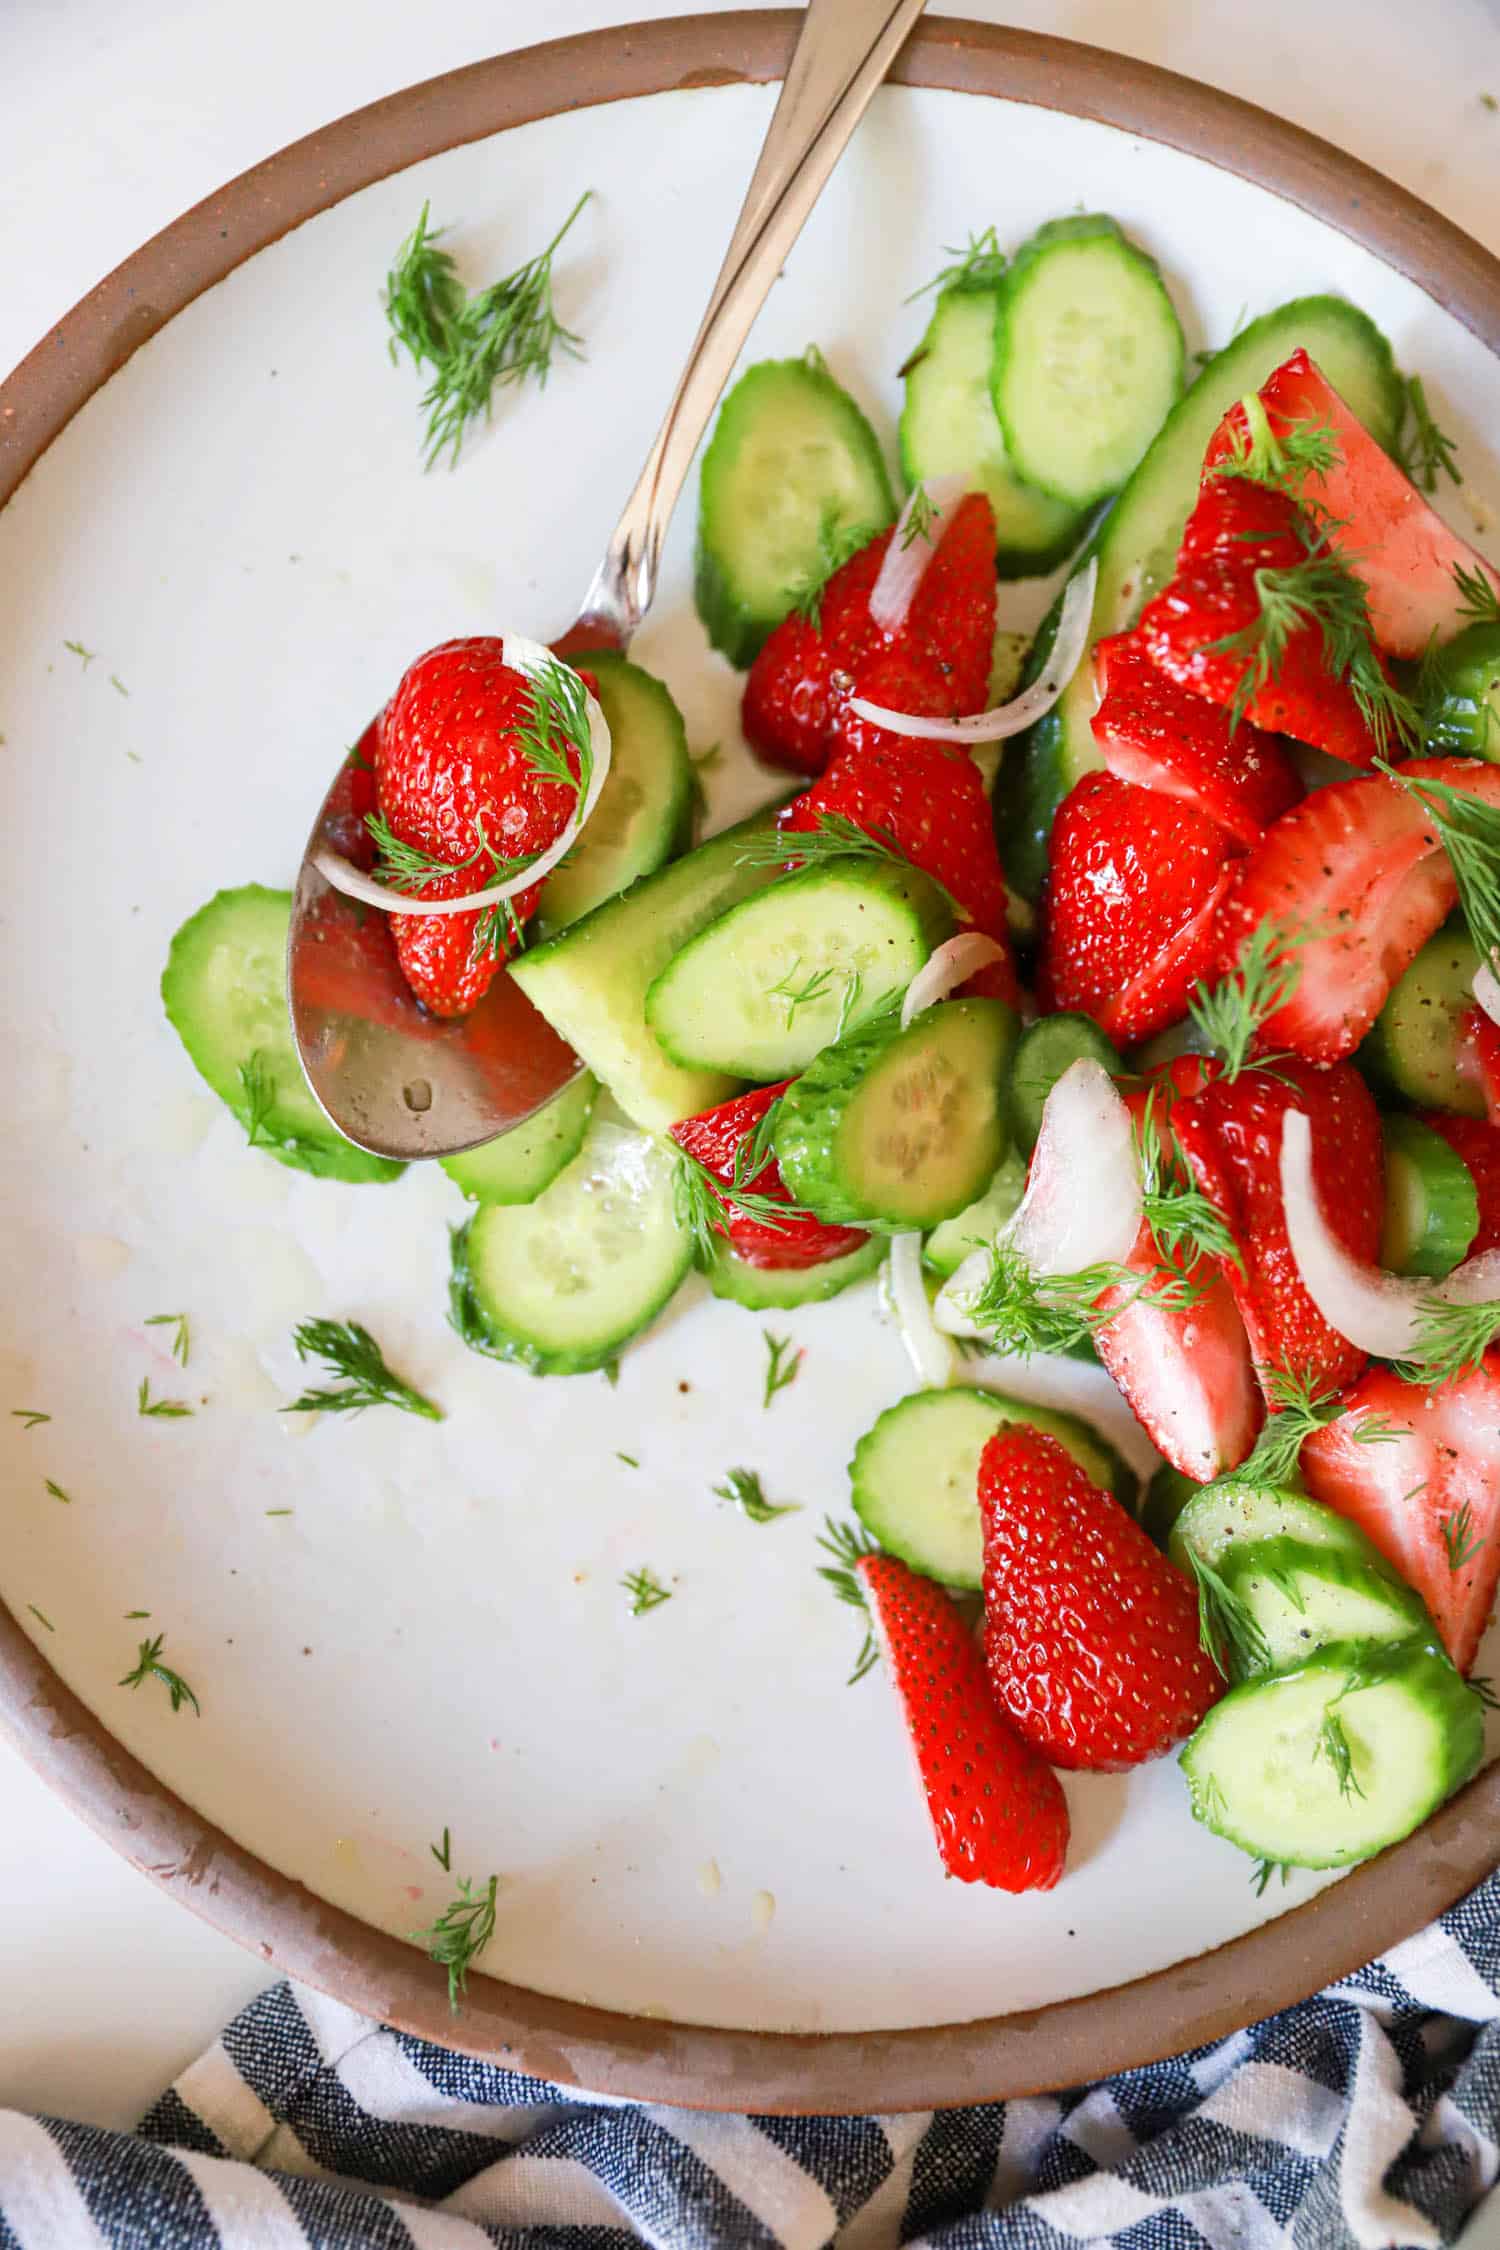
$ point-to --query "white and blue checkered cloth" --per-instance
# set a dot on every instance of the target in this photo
(1368, 2116)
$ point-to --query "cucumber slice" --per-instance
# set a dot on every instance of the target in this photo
(1047, 1048)
(915, 1474)
(562, 1284)
(591, 981)
(1138, 540)
(780, 1288)
(1226, 1517)
(516, 1166)
(1088, 358)
(224, 991)
(1303, 1598)
(1162, 1503)
(644, 816)
(948, 426)
(1431, 1207)
(1415, 1046)
(975, 1228)
(781, 976)
(1264, 1768)
(896, 1129)
(1461, 694)
(792, 476)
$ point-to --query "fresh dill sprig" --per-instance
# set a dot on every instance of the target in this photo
(629, 1460)
(783, 1364)
(259, 1089)
(472, 344)
(646, 1592)
(182, 1340)
(835, 836)
(1184, 1224)
(76, 648)
(815, 986)
(846, 1543)
(979, 266)
(1297, 1409)
(461, 1933)
(854, 985)
(443, 1855)
(1231, 1014)
(30, 1416)
(921, 514)
(1263, 1870)
(57, 1492)
(1333, 1744)
(838, 543)
(1424, 451)
(1451, 1341)
(149, 1666)
(168, 1409)
(1023, 1311)
(700, 1198)
(1461, 1542)
(1281, 461)
(1469, 832)
(348, 1350)
(1478, 1683)
(1479, 601)
(1227, 1627)
(407, 867)
(41, 1620)
(744, 1490)
(557, 723)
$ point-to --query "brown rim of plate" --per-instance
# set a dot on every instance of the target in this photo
(299, 1935)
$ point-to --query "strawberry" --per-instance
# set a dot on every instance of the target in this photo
(1477, 1141)
(456, 783)
(997, 1810)
(1481, 1037)
(1236, 529)
(1430, 1497)
(1230, 1133)
(1163, 737)
(930, 803)
(717, 1137)
(1091, 1635)
(1359, 865)
(1135, 884)
(1396, 543)
(1186, 1376)
(937, 664)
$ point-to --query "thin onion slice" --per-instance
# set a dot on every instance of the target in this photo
(945, 970)
(930, 1353)
(904, 564)
(1487, 991)
(530, 657)
(1024, 710)
(1380, 1312)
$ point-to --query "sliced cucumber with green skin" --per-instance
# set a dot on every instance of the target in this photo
(948, 427)
(644, 816)
(780, 1288)
(1431, 1206)
(562, 1284)
(1330, 1762)
(224, 991)
(1227, 1517)
(778, 978)
(1088, 358)
(516, 1166)
(792, 472)
(895, 1129)
(1047, 1048)
(1162, 1503)
(1415, 1046)
(590, 982)
(975, 1228)
(1138, 540)
(915, 1474)
(1302, 1598)
(1461, 694)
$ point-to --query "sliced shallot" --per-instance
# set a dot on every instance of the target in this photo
(1487, 991)
(904, 565)
(945, 970)
(1031, 704)
(530, 657)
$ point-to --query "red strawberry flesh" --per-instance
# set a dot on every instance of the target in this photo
(1163, 737)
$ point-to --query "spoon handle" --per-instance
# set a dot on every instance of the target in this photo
(843, 53)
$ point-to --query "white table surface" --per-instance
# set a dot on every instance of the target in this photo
(113, 120)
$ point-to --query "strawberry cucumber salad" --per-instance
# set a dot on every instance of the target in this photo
(1130, 995)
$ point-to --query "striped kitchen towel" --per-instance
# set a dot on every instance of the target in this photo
(1368, 2116)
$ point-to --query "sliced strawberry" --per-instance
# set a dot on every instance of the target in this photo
(1187, 1376)
(1429, 1498)
(998, 1811)
(1359, 864)
(930, 803)
(1163, 737)
(1236, 529)
(1091, 1635)
(936, 665)
(1396, 542)
(716, 1138)
(1477, 1141)
(1230, 1133)
(1132, 899)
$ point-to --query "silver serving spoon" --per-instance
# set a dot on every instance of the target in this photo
(392, 1078)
